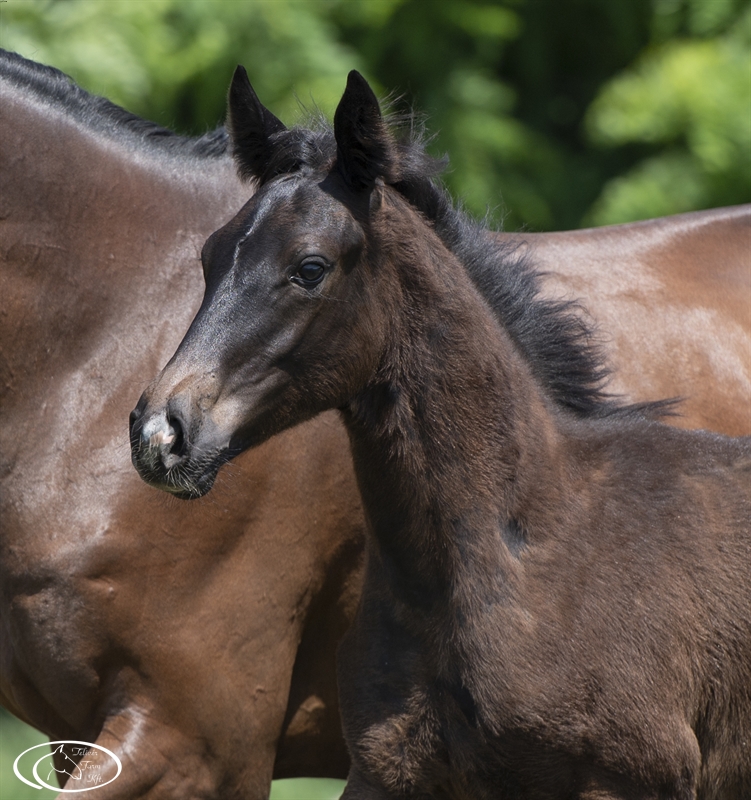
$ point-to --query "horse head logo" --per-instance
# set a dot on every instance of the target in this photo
(63, 764)
(96, 766)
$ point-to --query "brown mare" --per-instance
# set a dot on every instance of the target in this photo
(557, 594)
(203, 643)
(196, 641)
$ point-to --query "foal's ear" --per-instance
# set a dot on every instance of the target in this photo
(251, 126)
(364, 147)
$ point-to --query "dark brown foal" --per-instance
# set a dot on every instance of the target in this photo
(557, 597)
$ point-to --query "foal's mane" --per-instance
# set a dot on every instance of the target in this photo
(555, 336)
(558, 341)
(56, 89)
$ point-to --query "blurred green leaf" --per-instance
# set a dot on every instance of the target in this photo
(549, 111)
(491, 21)
(690, 100)
(666, 184)
(171, 60)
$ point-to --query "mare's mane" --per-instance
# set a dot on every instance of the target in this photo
(56, 89)
(555, 336)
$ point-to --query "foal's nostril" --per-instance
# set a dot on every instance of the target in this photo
(158, 442)
(169, 441)
(175, 441)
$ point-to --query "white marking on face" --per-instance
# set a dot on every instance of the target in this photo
(157, 431)
(265, 205)
(161, 437)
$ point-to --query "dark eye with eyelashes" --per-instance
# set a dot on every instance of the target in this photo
(310, 273)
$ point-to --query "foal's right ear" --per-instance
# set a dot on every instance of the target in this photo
(364, 146)
(251, 126)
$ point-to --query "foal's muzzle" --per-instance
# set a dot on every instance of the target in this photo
(171, 455)
(159, 438)
(158, 446)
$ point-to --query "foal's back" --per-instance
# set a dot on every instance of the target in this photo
(625, 649)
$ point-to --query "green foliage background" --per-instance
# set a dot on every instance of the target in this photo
(555, 113)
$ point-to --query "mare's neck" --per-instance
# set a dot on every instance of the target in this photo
(451, 440)
(99, 242)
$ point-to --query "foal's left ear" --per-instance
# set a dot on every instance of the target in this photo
(365, 149)
(251, 126)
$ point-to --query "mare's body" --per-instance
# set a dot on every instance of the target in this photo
(557, 597)
(673, 297)
(163, 631)
(194, 641)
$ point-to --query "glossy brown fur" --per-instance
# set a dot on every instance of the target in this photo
(557, 598)
(187, 662)
(673, 297)
(183, 637)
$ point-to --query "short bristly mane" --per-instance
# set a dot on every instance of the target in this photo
(554, 335)
(51, 86)
(559, 345)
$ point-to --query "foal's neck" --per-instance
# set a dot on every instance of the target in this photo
(451, 437)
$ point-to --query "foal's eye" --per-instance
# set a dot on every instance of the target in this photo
(310, 274)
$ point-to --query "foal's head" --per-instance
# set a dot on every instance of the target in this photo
(294, 315)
